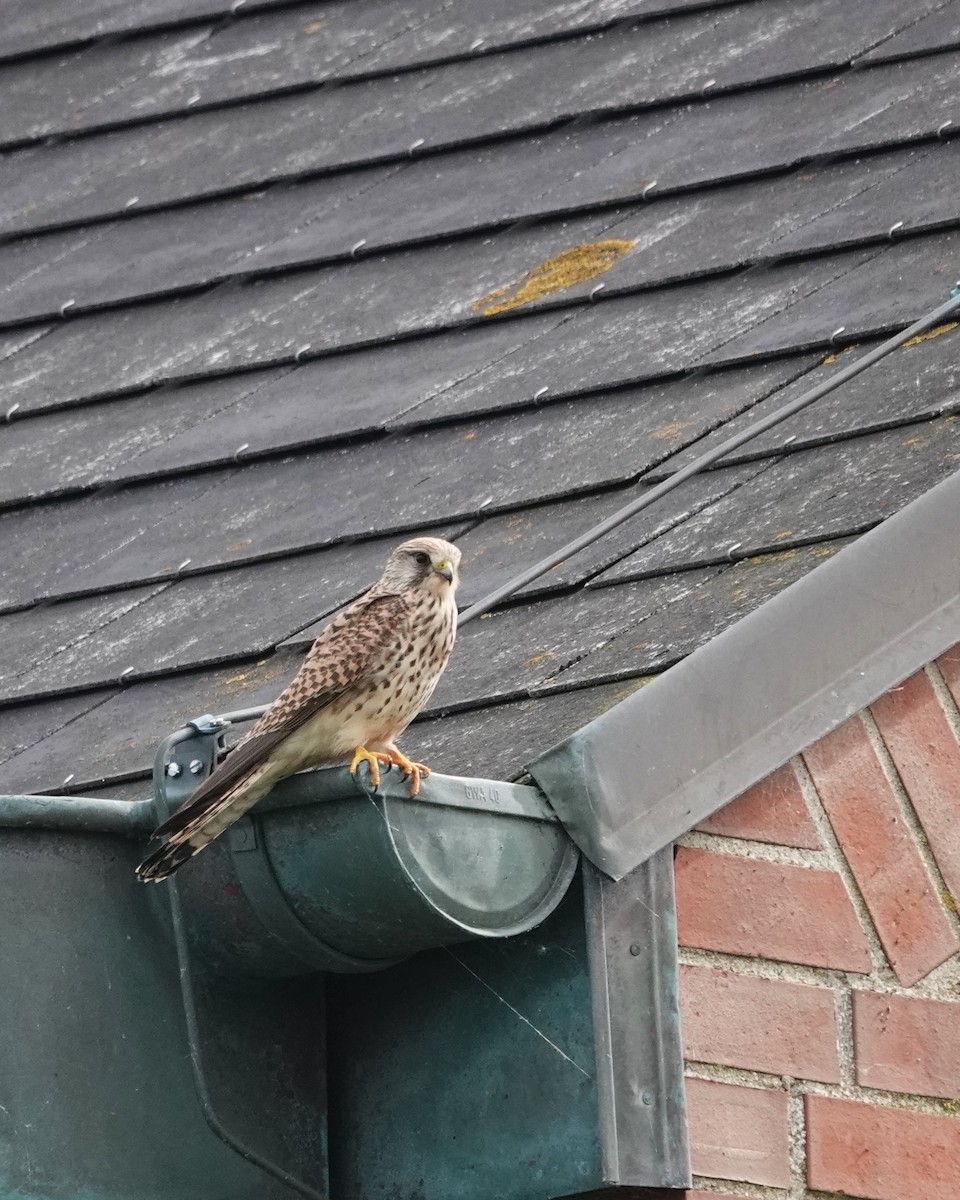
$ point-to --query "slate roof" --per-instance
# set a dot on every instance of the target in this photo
(282, 282)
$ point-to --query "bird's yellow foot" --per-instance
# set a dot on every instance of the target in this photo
(373, 759)
(413, 770)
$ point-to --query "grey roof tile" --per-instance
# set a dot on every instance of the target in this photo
(509, 423)
(194, 622)
(167, 251)
(99, 743)
(511, 652)
(808, 496)
(56, 95)
(918, 381)
(76, 539)
(905, 280)
(117, 736)
(628, 339)
(913, 195)
(28, 27)
(447, 473)
(85, 448)
(137, 80)
(65, 22)
(563, 643)
(15, 340)
(270, 321)
(176, 428)
(815, 209)
(45, 643)
(381, 120)
(337, 397)
(684, 619)
(495, 742)
(501, 547)
(930, 33)
(28, 726)
(196, 424)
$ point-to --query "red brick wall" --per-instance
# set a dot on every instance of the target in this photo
(820, 964)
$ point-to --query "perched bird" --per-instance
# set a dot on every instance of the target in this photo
(368, 674)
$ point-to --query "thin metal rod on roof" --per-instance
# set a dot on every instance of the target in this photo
(711, 456)
(699, 464)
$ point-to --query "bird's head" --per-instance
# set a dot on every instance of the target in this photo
(424, 563)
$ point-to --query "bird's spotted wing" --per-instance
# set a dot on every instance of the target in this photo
(344, 652)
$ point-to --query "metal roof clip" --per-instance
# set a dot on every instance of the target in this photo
(208, 724)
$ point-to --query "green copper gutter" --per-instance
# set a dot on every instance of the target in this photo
(85, 814)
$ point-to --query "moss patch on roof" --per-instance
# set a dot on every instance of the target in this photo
(577, 265)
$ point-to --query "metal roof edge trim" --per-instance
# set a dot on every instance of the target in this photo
(700, 734)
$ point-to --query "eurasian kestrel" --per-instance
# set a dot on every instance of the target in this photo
(368, 674)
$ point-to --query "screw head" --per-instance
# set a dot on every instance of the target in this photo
(174, 769)
(196, 766)
(635, 950)
(647, 1097)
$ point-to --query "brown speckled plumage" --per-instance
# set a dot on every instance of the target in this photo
(368, 674)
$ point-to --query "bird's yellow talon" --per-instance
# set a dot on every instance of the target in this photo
(373, 759)
(413, 770)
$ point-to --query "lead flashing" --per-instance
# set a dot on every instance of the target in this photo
(698, 735)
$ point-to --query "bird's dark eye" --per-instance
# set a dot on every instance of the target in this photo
(422, 559)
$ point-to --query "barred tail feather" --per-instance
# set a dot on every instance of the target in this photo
(206, 820)
(164, 861)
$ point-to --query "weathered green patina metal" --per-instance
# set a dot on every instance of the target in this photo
(84, 814)
(97, 1101)
(332, 875)
(486, 1025)
(538, 1067)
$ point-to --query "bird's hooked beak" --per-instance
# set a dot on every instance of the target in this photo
(445, 569)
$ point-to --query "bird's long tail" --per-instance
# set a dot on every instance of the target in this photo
(214, 808)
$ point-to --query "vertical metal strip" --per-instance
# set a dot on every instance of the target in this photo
(200, 747)
(632, 939)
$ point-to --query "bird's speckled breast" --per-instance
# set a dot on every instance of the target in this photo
(375, 712)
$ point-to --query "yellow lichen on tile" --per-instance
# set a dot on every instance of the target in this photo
(930, 334)
(538, 660)
(579, 264)
(832, 358)
(671, 431)
(771, 556)
(255, 676)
